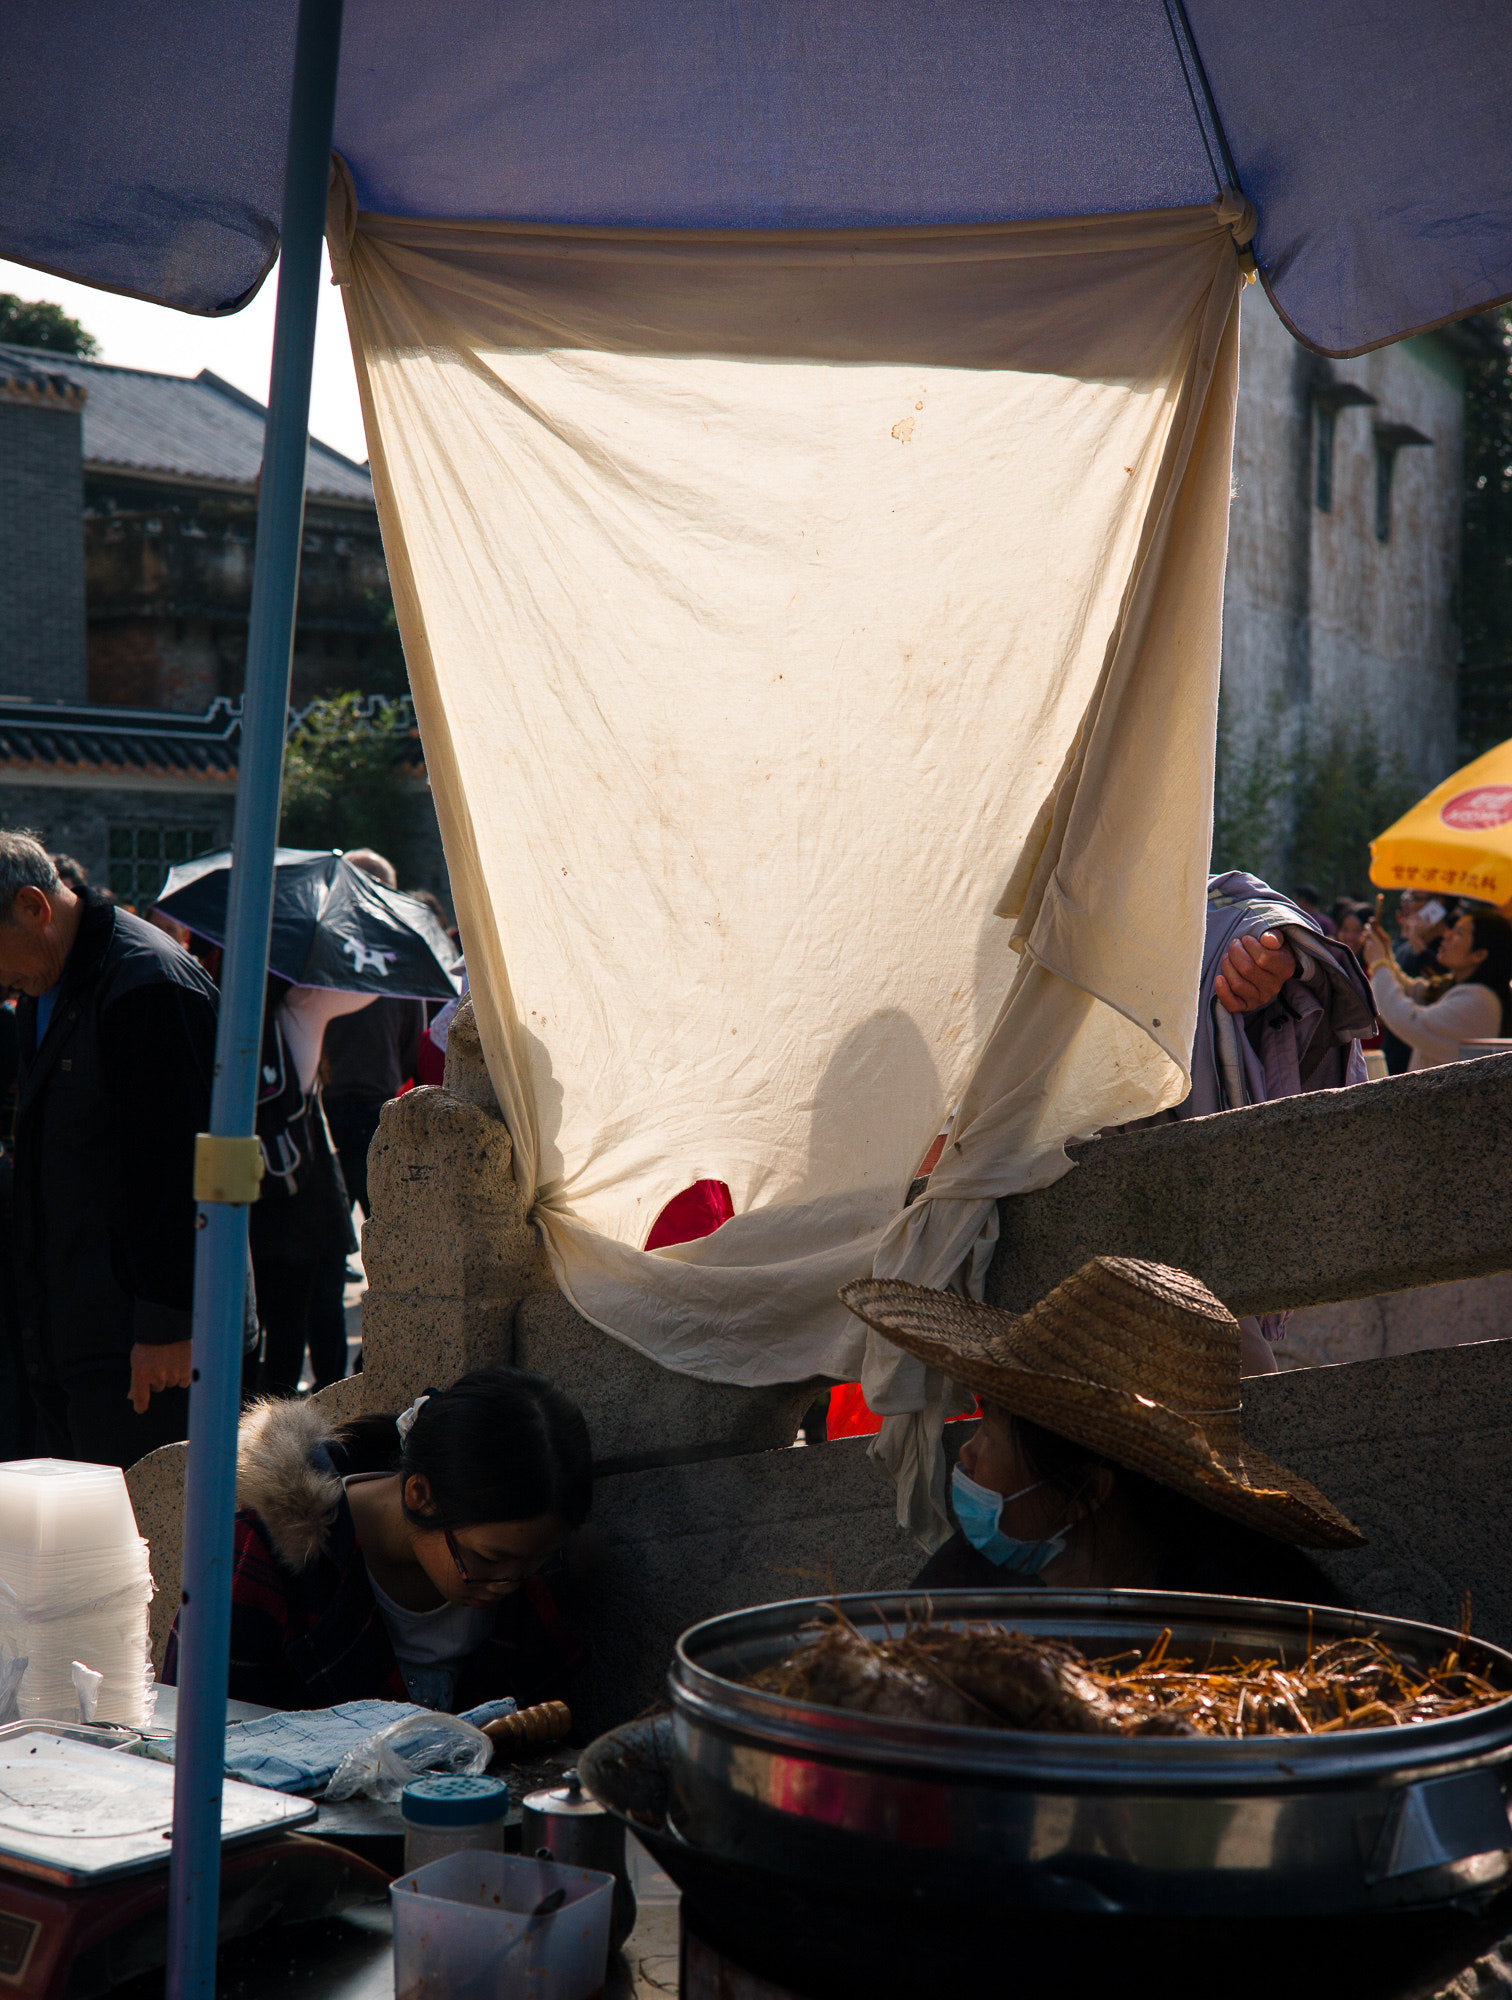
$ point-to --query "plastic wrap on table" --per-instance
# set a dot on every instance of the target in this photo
(408, 1748)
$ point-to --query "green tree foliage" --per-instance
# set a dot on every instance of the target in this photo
(344, 783)
(1486, 677)
(1309, 816)
(1345, 791)
(38, 323)
(383, 669)
(1250, 804)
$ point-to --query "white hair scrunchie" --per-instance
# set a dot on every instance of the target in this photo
(404, 1423)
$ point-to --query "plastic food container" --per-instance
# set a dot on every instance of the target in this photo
(463, 1930)
(76, 1586)
(452, 1814)
(56, 1506)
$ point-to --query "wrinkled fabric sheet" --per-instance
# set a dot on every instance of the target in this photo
(814, 638)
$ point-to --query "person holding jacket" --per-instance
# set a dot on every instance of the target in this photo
(1282, 1010)
(117, 1042)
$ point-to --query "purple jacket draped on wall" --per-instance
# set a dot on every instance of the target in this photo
(1307, 1038)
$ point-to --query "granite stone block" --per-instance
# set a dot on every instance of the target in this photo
(636, 1409)
(667, 1547)
(1417, 1451)
(447, 1249)
(1341, 1194)
(156, 1486)
(1454, 1315)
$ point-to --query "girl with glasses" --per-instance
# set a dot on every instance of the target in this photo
(411, 1557)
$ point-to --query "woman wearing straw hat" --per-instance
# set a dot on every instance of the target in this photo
(1109, 1452)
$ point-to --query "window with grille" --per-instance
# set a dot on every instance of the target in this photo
(140, 857)
(1325, 417)
(1385, 466)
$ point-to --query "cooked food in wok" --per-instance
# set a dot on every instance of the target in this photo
(985, 1676)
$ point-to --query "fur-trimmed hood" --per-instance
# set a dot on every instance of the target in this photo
(283, 1475)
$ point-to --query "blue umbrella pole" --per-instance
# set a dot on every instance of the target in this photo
(223, 1176)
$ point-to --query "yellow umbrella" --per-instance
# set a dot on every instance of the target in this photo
(1458, 840)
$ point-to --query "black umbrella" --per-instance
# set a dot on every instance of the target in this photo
(333, 925)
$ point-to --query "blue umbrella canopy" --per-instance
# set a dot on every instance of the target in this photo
(141, 148)
(333, 925)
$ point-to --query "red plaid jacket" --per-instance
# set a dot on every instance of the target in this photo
(312, 1637)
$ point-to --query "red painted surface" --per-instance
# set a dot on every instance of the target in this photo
(697, 1211)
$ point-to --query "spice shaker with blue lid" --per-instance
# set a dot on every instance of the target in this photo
(444, 1815)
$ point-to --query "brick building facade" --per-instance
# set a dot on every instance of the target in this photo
(42, 611)
(128, 504)
(1341, 594)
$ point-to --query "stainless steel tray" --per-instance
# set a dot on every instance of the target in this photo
(1372, 1819)
(72, 1813)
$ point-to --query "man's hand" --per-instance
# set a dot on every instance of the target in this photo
(1254, 971)
(154, 1368)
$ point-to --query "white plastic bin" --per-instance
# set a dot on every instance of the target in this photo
(54, 1506)
(74, 1586)
(463, 1931)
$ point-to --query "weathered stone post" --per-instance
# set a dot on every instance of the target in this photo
(448, 1252)
(457, 1278)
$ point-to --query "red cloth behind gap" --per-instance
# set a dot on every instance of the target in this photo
(697, 1211)
(849, 1416)
(430, 1065)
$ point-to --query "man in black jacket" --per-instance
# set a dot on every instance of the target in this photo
(117, 1029)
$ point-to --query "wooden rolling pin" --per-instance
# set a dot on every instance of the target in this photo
(547, 1722)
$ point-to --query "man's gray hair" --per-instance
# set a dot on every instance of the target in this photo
(24, 864)
(373, 864)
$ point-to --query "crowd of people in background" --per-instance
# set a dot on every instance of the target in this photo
(1443, 983)
(107, 1043)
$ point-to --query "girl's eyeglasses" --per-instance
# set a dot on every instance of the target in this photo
(514, 1571)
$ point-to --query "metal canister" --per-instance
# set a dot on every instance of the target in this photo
(569, 1827)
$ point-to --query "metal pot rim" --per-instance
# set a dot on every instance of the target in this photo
(703, 1695)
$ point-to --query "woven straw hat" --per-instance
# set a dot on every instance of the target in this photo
(1139, 1362)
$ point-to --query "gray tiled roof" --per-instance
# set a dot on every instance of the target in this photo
(197, 426)
(79, 736)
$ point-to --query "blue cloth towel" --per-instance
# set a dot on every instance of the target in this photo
(298, 1749)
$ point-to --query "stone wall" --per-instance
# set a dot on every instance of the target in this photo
(75, 814)
(1323, 622)
(41, 547)
(1342, 1194)
(701, 1506)
(168, 570)
(1417, 1450)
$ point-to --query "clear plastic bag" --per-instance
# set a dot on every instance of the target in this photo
(87, 1685)
(415, 1744)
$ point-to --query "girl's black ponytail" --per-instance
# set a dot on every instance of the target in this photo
(501, 1444)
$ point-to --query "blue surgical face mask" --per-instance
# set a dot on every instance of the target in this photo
(978, 1510)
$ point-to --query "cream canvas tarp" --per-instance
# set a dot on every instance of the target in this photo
(815, 642)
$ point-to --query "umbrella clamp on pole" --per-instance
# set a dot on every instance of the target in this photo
(226, 1169)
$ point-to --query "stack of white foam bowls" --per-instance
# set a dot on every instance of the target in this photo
(74, 1586)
